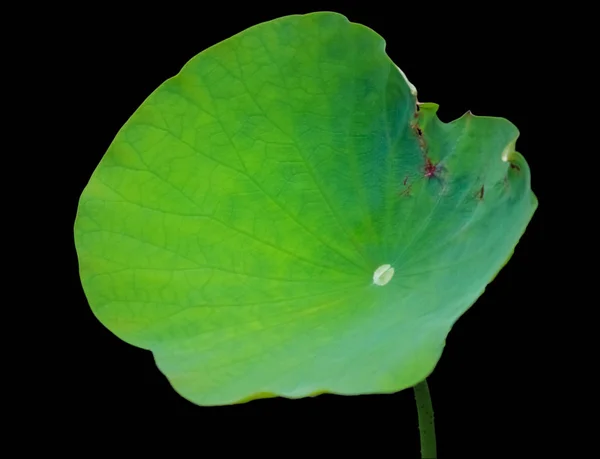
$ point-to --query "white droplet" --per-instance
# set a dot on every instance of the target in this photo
(383, 274)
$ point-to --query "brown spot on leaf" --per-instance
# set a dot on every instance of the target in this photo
(407, 189)
(430, 168)
(481, 192)
(417, 130)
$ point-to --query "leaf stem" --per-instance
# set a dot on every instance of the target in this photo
(426, 424)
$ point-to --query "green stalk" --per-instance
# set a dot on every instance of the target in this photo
(426, 425)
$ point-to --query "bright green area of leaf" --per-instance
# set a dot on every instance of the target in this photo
(236, 221)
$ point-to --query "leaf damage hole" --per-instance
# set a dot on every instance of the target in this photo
(419, 133)
(481, 192)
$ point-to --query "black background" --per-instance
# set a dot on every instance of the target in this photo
(486, 385)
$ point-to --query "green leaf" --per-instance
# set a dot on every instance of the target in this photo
(241, 223)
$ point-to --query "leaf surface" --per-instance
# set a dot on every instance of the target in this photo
(236, 224)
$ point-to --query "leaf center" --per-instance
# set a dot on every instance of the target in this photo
(383, 274)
